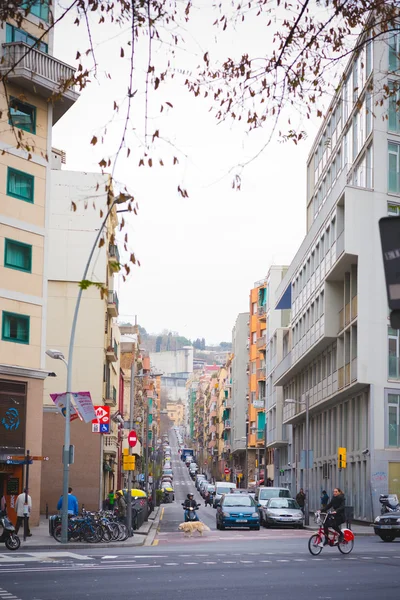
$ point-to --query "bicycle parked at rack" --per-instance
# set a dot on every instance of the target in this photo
(315, 542)
(93, 528)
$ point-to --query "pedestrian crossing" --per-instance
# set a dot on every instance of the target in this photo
(62, 561)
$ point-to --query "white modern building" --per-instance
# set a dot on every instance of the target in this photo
(176, 366)
(340, 352)
(239, 391)
(96, 365)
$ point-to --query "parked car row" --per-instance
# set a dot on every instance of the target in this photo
(167, 474)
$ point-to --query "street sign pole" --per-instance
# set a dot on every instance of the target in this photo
(131, 411)
(26, 507)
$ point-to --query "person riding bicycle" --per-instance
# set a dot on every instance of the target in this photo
(190, 502)
(337, 516)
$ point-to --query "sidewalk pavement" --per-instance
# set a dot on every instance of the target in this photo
(41, 540)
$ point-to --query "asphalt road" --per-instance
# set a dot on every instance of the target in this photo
(272, 564)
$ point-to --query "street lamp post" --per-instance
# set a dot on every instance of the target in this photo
(67, 433)
(305, 403)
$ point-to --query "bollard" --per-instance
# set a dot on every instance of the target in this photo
(47, 511)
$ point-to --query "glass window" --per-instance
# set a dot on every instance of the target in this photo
(393, 174)
(393, 352)
(39, 8)
(368, 58)
(368, 113)
(393, 420)
(322, 248)
(394, 115)
(328, 363)
(333, 360)
(369, 170)
(13, 34)
(22, 115)
(333, 230)
(355, 135)
(15, 328)
(394, 62)
(17, 255)
(20, 185)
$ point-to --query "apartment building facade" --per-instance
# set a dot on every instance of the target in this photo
(27, 118)
(239, 397)
(340, 353)
(96, 366)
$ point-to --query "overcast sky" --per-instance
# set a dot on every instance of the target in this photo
(200, 255)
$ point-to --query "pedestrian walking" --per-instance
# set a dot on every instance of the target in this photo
(23, 509)
(324, 499)
(301, 499)
(120, 505)
(73, 507)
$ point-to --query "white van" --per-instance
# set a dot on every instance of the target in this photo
(222, 487)
(265, 493)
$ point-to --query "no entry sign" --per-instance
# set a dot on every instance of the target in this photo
(132, 439)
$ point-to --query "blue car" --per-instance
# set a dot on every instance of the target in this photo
(237, 510)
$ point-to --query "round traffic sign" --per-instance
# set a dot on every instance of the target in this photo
(132, 439)
(227, 471)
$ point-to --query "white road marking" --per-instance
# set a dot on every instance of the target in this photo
(265, 561)
(109, 556)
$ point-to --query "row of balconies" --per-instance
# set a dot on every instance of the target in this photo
(348, 313)
(112, 303)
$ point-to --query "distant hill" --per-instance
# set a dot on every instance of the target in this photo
(171, 340)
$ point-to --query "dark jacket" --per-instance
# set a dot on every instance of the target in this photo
(324, 500)
(338, 503)
(121, 506)
(300, 499)
(190, 503)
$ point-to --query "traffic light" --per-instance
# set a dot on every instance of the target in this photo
(342, 458)
(128, 461)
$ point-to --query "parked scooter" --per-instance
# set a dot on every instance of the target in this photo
(390, 503)
(190, 513)
(8, 536)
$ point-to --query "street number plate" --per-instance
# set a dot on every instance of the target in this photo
(385, 527)
(241, 520)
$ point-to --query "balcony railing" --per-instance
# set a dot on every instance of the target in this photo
(113, 253)
(261, 374)
(110, 443)
(113, 303)
(261, 311)
(261, 342)
(41, 74)
(354, 307)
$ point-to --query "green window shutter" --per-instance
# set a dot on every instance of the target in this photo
(20, 185)
(15, 328)
(17, 255)
(22, 115)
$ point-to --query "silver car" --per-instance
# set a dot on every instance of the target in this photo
(282, 511)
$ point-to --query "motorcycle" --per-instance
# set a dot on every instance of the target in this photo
(190, 513)
(9, 537)
(389, 503)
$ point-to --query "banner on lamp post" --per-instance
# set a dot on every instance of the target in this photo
(60, 401)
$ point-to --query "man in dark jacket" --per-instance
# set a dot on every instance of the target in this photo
(190, 503)
(301, 499)
(337, 516)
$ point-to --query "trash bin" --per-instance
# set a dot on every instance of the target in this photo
(349, 515)
(53, 521)
(139, 512)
